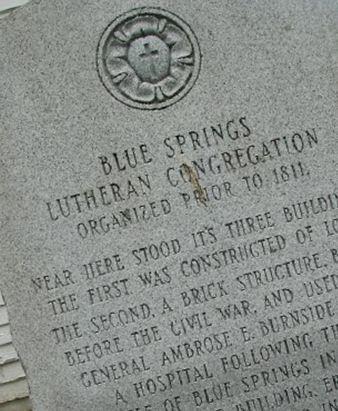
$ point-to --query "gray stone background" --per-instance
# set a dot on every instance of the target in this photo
(13, 384)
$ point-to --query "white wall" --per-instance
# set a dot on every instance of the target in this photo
(9, 4)
(13, 384)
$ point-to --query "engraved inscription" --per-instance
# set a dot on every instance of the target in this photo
(148, 58)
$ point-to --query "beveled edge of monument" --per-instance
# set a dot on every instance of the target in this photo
(192, 37)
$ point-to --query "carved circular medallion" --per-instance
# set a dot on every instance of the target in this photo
(148, 58)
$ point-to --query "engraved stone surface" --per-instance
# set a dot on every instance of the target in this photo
(182, 259)
(148, 58)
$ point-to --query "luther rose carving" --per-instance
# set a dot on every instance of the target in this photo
(148, 58)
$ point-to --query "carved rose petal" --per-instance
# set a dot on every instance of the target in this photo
(139, 26)
(170, 87)
(116, 48)
(177, 81)
(136, 90)
(116, 66)
(180, 44)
